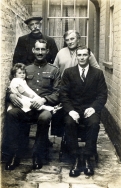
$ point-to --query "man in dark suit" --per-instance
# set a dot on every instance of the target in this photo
(83, 95)
(23, 51)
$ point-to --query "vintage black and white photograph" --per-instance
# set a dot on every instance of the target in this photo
(60, 110)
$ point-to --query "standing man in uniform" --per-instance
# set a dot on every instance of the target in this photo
(44, 79)
(23, 51)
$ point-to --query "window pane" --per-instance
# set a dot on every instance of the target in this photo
(81, 26)
(54, 8)
(59, 42)
(55, 28)
(67, 25)
(68, 8)
(81, 8)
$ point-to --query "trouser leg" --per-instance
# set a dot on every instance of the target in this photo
(71, 135)
(92, 129)
(42, 133)
(15, 118)
(57, 124)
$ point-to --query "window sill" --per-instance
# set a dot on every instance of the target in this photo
(108, 65)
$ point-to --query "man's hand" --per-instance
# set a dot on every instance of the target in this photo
(14, 98)
(88, 112)
(37, 102)
(74, 115)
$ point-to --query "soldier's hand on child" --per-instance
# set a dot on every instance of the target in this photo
(37, 102)
(15, 100)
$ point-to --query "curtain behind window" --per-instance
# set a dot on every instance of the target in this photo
(58, 26)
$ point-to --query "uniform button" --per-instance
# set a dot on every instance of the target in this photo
(37, 80)
(39, 67)
(37, 89)
(38, 73)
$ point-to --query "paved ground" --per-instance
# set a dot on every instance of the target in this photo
(55, 174)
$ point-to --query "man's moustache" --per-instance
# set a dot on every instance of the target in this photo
(35, 29)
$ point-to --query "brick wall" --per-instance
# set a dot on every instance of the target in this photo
(112, 115)
(13, 12)
(37, 7)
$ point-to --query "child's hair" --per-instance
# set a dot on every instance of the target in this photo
(15, 68)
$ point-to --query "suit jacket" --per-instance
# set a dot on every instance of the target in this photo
(23, 51)
(76, 95)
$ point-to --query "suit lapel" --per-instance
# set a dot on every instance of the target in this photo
(89, 79)
(78, 81)
(76, 75)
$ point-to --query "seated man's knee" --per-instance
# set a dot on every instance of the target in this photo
(44, 117)
(96, 126)
(14, 112)
(69, 122)
(94, 120)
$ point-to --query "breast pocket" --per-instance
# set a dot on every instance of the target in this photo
(30, 77)
(47, 80)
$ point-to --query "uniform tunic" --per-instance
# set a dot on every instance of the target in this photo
(44, 80)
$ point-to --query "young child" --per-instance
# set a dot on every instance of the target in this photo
(18, 85)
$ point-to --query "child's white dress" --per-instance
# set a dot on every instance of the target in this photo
(19, 85)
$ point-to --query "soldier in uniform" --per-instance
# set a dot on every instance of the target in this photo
(44, 79)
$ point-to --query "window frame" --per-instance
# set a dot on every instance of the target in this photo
(109, 35)
(73, 17)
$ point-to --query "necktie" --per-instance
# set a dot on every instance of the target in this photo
(83, 76)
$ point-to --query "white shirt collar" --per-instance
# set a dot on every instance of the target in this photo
(86, 70)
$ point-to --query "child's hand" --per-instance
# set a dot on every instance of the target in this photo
(56, 108)
(31, 96)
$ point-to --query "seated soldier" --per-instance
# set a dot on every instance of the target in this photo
(44, 79)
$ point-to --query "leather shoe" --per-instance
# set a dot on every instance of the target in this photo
(75, 171)
(12, 163)
(37, 163)
(88, 167)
